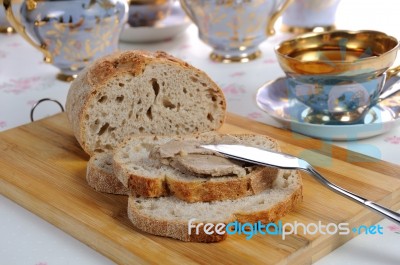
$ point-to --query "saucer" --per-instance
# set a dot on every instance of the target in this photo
(272, 98)
(165, 29)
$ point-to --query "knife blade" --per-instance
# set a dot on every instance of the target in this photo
(256, 155)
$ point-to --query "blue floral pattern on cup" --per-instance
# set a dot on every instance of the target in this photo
(328, 94)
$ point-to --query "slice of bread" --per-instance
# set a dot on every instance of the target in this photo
(141, 92)
(169, 216)
(149, 177)
(100, 175)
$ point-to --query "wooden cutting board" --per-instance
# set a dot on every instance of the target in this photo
(43, 168)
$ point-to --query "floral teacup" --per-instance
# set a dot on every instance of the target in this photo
(339, 75)
(234, 29)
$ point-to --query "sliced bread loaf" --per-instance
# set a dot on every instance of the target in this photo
(100, 175)
(140, 92)
(169, 216)
(150, 177)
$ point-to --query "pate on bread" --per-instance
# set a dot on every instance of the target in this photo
(141, 170)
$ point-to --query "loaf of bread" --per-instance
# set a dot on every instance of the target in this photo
(100, 175)
(169, 216)
(142, 117)
(140, 92)
(139, 169)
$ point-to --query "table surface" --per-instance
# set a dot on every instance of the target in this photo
(24, 79)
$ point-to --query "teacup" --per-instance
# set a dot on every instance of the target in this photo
(70, 34)
(310, 15)
(339, 75)
(234, 29)
(146, 13)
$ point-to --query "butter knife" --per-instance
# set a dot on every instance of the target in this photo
(264, 157)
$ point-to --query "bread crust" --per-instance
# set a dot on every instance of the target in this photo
(102, 180)
(91, 81)
(78, 95)
(179, 229)
(201, 190)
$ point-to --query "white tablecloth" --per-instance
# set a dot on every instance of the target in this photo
(24, 79)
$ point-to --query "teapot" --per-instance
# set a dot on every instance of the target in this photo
(70, 33)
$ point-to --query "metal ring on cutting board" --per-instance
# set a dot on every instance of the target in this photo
(42, 100)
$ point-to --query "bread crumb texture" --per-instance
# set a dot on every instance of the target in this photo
(139, 92)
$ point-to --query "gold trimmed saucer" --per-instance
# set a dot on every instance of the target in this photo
(301, 30)
(244, 58)
(291, 114)
(66, 77)
(7, 29)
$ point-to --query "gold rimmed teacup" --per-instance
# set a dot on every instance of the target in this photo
(338, 74)
(234, 29)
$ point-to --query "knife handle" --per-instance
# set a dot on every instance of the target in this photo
(389, 214)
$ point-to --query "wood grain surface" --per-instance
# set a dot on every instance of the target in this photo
(42, 168)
